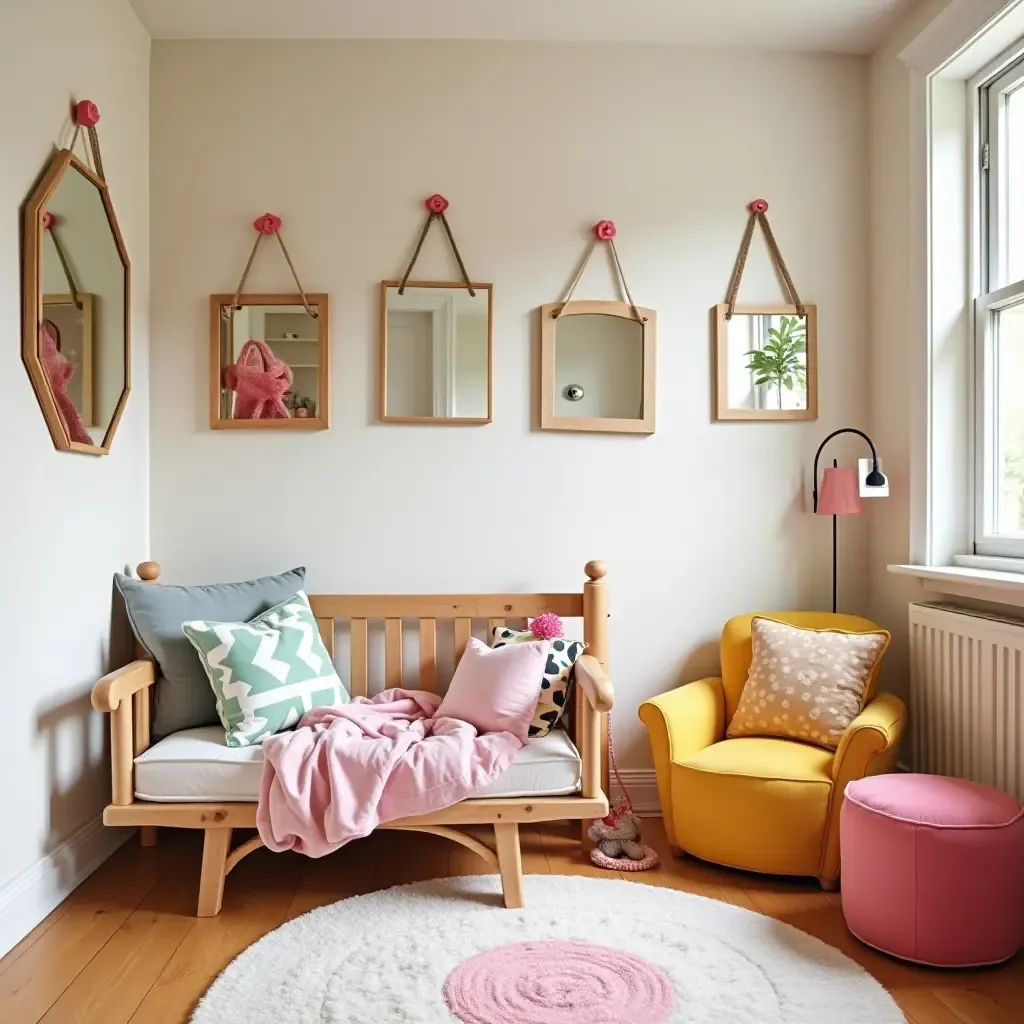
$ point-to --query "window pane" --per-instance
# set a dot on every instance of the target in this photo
(1013, 224)
(1009, 423)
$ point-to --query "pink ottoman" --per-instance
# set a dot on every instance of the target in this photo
(933, 869)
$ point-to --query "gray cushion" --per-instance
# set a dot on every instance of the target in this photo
(184, 699)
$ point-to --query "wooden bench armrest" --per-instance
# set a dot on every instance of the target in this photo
(120, 684)
(594, 682)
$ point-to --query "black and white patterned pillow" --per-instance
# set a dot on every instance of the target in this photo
(554, 690)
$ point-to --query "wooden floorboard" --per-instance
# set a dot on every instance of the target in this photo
(125, 947)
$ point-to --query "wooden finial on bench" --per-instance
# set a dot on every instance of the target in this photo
(148, 571)
(596, 569)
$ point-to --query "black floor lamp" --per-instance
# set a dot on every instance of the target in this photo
(841, 491)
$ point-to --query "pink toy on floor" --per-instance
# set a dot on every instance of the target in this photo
(59, 370)
(259, 380)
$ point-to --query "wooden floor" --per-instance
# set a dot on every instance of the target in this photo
(124, 947)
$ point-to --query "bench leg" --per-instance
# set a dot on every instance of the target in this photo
(510, 863)
(147, 835)
(216, 844)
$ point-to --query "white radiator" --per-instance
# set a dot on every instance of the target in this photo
(967, 696)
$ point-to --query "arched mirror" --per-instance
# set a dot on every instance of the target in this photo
(77, 300)
(597, 367)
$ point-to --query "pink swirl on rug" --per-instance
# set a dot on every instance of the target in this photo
(553, 982)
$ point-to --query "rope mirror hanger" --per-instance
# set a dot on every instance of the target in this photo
(604, 231)
(270, 224)
(759, 215)
(436, 206)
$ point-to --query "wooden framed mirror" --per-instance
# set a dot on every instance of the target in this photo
(598, 367)
(436, 352)
(269, 362)
(76, 330)
(766, 363)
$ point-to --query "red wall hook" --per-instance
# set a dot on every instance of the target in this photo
(87, 114)
(267, 224)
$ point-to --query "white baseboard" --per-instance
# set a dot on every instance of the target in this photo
(642, 784)
(28, 897)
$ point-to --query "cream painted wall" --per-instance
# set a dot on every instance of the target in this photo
(68, 520)
(532, 144)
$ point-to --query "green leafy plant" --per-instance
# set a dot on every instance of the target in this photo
(782, 362)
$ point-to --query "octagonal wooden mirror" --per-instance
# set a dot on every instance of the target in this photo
(76, 340)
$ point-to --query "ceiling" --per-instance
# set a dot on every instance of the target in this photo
(844, 26)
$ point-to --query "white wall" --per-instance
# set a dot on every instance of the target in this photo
(532, 144)
(68, 520)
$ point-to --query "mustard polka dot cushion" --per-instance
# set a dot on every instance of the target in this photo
(805, 684)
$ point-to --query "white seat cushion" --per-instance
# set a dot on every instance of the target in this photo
(196, 765)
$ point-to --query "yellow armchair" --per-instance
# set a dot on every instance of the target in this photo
(769, 805)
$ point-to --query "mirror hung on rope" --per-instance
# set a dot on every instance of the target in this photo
(766, 356)
(436, 343)
(598, 358)
(269, 354)
(76, 339)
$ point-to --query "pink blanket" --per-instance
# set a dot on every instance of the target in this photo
(346, 769)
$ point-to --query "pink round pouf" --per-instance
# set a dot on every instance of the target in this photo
(551, 982)
(933, 869)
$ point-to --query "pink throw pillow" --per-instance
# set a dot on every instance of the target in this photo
(496, 689)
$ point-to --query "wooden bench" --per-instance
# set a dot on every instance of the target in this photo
(125, 695)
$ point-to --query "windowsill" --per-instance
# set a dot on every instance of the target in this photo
(996, 586)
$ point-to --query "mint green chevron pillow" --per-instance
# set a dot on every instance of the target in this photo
(268, 672)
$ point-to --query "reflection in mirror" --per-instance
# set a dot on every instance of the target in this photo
(766, 365)
(436, 362)
(599, 367)
(82, 328)
(272, 355)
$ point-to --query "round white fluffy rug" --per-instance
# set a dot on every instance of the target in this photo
(658, 956)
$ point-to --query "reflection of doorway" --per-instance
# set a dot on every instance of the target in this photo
(410, 356)
(76, 345)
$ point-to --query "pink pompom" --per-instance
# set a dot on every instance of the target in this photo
(547, 626)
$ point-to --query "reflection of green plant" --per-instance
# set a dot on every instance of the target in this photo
(782, 361)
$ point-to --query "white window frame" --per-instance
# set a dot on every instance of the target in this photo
(993, 292)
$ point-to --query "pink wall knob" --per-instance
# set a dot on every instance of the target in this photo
(758, 206)
(605, 230)
(267, 224)
(436, 203)
(86, 113)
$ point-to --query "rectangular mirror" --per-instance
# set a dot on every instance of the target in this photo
(597, 367)
(766, 364)
(269, 362)
(436, 342)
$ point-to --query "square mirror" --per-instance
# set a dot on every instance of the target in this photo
(269, 362)
(435, 352)
(597, 367)
(76, 339)
(766, 365)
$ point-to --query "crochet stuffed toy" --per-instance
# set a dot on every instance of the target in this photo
(59, 370)
(618, 835)
(259, 380)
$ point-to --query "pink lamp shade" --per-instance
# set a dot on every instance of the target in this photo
(838, 494)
